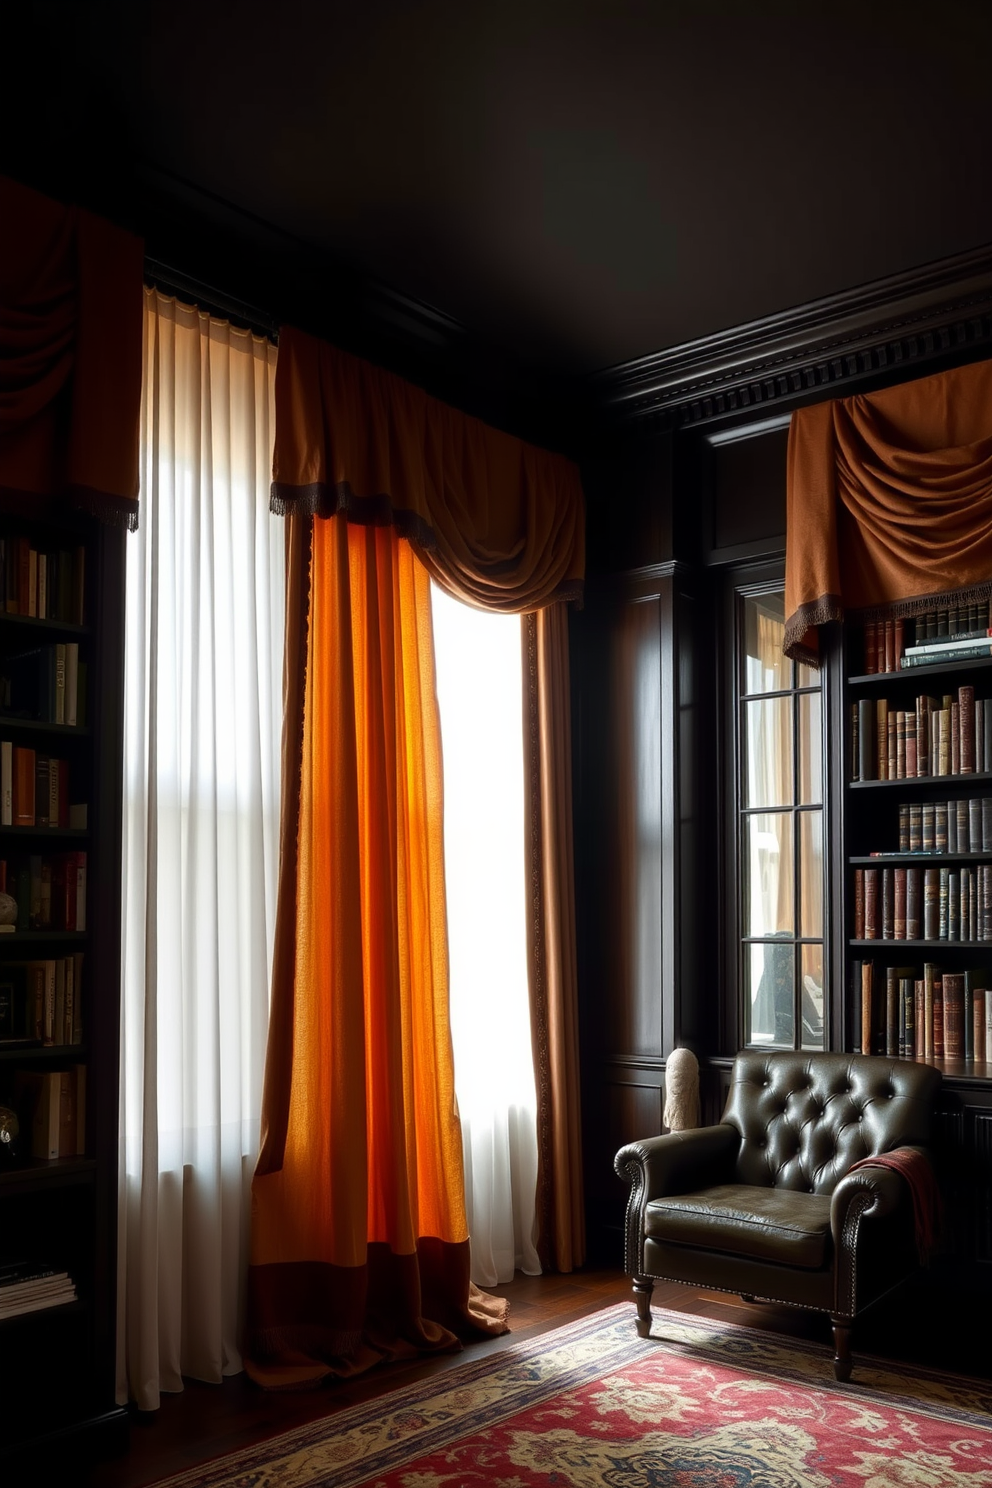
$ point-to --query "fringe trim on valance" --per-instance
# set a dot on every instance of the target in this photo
(115, 511)
(321, 500)
(920, 604)
(829, 607)
(808, 616)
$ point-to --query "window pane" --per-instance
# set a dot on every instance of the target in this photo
(810, 750)
(806, 676)
(770, 995)
(768, 850)
(811, 873)
(768, 751)
(812, 997)
(765, 667)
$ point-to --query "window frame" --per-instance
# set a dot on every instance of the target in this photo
(743, 583)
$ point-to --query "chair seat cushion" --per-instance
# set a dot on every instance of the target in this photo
(767, 1224)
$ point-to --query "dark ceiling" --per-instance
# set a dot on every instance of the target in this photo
(579, 183)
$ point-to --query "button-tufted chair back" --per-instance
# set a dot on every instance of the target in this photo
(804, 1119)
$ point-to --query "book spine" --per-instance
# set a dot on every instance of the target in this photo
(6, 783)
(931, 903)
(988, 1025)
(966, 710)
(928, 981)
(904, 828)
(899, 911)
(938, 1017)
(867, 1013)
(888, 904)
(871, 647)
(919, 1001)
(871, 904)
(908, 1006)
(913, 898)
(915, 827)
(867, 756)
(943, 891)
(881, 740)
(24, 786)
(953, 984)
(945, 654)
(953, 905)
(859, 904)
(979, 735)
(891, 1012)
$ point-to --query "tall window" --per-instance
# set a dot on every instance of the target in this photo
(480, 697)
(780, 827)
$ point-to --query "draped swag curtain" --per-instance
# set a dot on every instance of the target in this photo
(204, 647)
(70, 355)
(359, 1241)
(889, 503)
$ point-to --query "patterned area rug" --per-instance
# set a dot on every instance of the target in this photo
(697, 1405)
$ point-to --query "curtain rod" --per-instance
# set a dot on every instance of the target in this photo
(171, 281)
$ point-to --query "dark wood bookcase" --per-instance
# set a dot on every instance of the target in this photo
(57, 1383)
(866, 822)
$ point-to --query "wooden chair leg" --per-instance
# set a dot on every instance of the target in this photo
(643, 1287)
(842, 1348)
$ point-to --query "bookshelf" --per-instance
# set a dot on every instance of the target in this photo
(61, 679)
(919, 843)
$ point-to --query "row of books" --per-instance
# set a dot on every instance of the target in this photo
(34, 790)
(912, 1013)
(41, 1002)
(923, 903)
(50, 890)
(962, 826)
(51, 1110)
(937, 736)
(47, 585)
(31, 1286)
(939, 635)
(46, 684)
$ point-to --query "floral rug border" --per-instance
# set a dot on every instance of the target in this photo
(426, 1415)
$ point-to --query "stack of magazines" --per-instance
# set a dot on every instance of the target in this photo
(28, 1286)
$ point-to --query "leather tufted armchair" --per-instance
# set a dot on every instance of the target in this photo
(765, 1203)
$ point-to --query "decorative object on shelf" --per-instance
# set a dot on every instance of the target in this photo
(8, 913)
(10, 1129)
(681, 1090)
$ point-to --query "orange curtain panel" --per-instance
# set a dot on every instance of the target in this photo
(499, 523)
(71, 306)
(889, 503)
(359, 1240)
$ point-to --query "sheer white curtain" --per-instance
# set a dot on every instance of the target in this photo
(203, 663)
(480, 696)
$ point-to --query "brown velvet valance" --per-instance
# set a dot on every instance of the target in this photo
(70, 354)
(889, 503)
(498, 522)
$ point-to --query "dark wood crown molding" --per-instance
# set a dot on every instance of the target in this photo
(894, 328)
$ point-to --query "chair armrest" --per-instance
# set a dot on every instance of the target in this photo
(679, 1161)
(869, 1192)
(878, 1191)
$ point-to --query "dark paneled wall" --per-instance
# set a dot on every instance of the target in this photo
(647, 774)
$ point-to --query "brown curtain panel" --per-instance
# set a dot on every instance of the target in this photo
(889, 503)
(551, 939)
(359, 1239)
(498, 522)
(71, 304)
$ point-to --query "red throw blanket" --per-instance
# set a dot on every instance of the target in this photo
(927, 1205)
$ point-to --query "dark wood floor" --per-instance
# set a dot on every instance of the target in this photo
(207, 1421)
